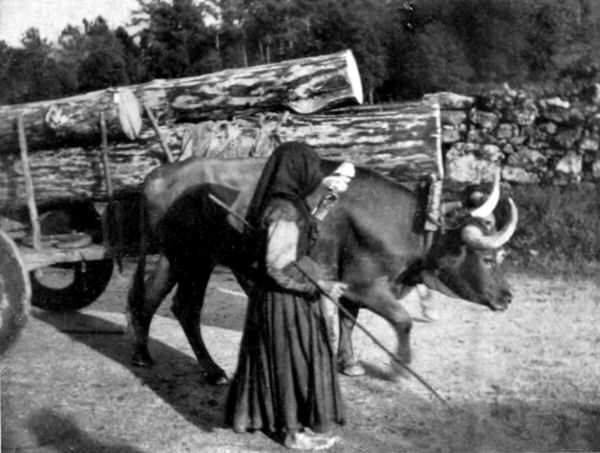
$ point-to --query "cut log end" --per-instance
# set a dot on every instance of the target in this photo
(343, 86)
(130, 113)
(354, 77)
(74, 121)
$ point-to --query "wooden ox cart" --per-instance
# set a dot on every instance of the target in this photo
(70, 168)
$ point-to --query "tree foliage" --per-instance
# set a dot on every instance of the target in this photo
(404, 49)
(31, 72)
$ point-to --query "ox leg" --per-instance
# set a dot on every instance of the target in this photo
(348, 364)
(187, 308)
(378, 298)
(392, 311)
(144, 298)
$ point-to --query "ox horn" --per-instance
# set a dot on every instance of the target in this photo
(475, 238)
(489, 205)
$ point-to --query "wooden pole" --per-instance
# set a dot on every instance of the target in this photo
(113, 210)
(163, 142)
(36, 230)
(107, 175)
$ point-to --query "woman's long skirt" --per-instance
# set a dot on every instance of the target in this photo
(286, 377)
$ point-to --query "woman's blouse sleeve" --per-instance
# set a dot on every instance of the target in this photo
(282, 249)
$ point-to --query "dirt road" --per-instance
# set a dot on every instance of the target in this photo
(524, 380)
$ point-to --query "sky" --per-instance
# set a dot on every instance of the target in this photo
(51, 16)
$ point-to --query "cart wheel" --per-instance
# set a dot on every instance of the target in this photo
(86, 281)
(70, 286)
(15, 293)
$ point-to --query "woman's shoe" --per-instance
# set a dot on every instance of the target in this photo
(304, 441)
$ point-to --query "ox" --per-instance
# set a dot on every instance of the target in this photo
(371, 240)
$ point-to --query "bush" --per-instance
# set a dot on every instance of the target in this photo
(559, 229)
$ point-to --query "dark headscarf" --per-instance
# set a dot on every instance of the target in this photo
(293, 172)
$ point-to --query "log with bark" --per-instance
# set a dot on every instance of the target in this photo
(400, 140)
(73, 174)
(304, 85)
(71, 121)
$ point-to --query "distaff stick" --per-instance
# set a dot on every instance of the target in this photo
(343, 310)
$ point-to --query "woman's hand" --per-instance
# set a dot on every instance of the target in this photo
(334, 289)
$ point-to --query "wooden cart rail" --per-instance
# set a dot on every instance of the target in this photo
(48, 256)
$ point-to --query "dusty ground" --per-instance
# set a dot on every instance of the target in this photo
(524, 380)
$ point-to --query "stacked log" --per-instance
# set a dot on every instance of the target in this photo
(305, 85)
(72, 121)
(399, 140)
(234, 113)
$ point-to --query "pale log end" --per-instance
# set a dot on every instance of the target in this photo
(354, 77)
(130, 113)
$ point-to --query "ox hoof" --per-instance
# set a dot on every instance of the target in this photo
(352, 369)
(399, 371)
(221, 381)
(430, 315)
(216, 378)
(142, 360)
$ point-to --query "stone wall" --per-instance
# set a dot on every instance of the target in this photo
(533, 138)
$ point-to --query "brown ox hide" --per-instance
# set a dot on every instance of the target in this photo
(371, 240)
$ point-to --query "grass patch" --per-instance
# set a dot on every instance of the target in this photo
(559, 230)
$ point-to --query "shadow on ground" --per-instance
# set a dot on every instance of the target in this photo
(175, 377)
(63, 435)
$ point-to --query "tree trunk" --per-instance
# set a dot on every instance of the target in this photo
(244, 54)
(71, 121)
(400, 140)
(305, 85)
(71, 174)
